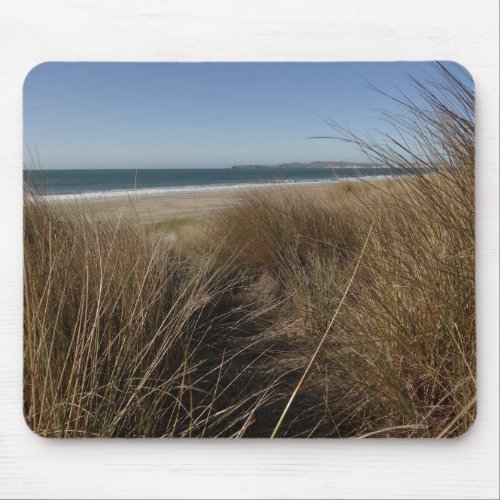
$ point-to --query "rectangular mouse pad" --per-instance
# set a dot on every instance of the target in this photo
(268, 250)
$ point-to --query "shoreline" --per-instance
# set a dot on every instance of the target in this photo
(160, 204)
(180, 190)
(150, 208)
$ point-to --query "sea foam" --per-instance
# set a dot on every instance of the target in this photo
(131, 193)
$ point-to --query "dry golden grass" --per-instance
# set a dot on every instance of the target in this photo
(123, 335)
(290, 314)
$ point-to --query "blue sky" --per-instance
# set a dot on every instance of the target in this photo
(188, 115)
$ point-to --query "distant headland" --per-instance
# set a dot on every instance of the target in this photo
(314, 164)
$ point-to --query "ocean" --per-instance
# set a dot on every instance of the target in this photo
(89, 183)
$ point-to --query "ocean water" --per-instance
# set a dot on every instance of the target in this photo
(88, 183)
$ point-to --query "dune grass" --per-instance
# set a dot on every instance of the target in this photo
(345, 313)
(120, 336)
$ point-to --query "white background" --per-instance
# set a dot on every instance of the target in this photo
(216, 30)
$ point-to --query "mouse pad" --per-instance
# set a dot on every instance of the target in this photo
(272, 250)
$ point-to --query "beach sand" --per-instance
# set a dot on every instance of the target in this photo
(159, 207)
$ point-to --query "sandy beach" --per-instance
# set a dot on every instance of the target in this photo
(158, 207)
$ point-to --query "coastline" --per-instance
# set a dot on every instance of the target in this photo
(180, 190)
(157, 207)
(127, 193)
(158, 204)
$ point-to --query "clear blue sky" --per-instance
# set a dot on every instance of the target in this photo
(168, 115)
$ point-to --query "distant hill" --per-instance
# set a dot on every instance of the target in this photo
(314, 164)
